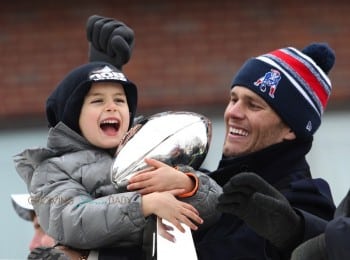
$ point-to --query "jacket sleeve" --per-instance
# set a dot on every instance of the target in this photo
(337, 238)
(312, 200)
(205, 199)
(71, 215)
(343, 208)
(313, 225)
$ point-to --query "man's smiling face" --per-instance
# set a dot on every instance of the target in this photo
(251, 124)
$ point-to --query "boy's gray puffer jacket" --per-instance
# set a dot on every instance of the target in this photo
(72, 194)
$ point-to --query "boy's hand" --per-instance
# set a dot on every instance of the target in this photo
(165, 205)
(164, 229)
(160, 177)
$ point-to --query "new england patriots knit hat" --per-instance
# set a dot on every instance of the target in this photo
(66, 101)
(294, 83)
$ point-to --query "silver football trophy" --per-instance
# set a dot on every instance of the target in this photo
(175, 138)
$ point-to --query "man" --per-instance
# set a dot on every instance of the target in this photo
(270, 203)
(41, 246)
(24, 209)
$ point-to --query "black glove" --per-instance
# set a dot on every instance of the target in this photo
(109, 40)
(314, 248)
(263, 208)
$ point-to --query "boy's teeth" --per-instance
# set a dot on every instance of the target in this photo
(109, 121)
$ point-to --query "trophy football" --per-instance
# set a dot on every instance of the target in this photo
(175, 138)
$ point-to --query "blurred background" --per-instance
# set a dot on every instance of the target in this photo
(185, 55)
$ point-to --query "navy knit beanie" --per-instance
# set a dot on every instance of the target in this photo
(66, 101)
(294, 83)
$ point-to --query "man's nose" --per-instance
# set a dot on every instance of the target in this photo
(34, 243)
(236, 110)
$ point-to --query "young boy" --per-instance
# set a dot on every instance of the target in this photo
(69, 180)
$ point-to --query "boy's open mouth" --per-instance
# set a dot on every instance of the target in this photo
(110, 127)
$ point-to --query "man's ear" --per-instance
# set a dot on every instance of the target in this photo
(290, 135)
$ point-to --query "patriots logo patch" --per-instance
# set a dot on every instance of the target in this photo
(269, 81)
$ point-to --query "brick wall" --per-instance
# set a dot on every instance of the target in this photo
(185, 55)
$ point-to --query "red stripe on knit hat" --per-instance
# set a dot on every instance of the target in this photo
(305, 73)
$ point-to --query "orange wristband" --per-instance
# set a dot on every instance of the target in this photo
(196, 184)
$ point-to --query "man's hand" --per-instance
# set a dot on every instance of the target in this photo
(110, 40)
(263, 208)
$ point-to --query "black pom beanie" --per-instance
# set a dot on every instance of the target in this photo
(294, 83)
(65, 102)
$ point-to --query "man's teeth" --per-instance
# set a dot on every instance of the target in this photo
(236, 131)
